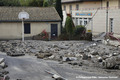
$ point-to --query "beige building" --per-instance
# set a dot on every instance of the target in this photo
(40, 19)
(93, 14)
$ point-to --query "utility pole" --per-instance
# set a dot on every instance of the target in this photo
(23, 30)
(107, 17)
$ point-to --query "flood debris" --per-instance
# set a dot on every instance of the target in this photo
(94, 54)
(3, 73)
(55, 76)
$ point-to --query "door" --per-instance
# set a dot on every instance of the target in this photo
(27, 29)
(54, 31)
(111, 24)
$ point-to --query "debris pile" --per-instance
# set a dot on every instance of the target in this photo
(3, 73)
(94, 54)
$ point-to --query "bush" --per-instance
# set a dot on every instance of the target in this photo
(69, 26)
(79, 30)
(64, 35)
(42, 36)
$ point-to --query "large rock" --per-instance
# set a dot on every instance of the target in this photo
(112, 62)
(44, 55)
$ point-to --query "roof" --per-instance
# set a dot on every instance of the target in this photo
(8, 14)
(73, 1)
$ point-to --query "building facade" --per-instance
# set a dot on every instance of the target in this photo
(96, 15)
(40, 19)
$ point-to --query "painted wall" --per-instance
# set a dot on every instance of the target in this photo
(82, 5)
(99, 21)
(13, 30)
(112, 3)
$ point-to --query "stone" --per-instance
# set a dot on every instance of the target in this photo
(85, 57)
(2, 64)
(63, 46)
(111, 63)
(52, 57)
(2, 60)
(43, 55)
(115, 54)
(16, 54)
(94, 53)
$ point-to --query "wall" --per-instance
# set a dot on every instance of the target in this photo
(99, 21)
(82, 5)
(12, 30)
(112, 3)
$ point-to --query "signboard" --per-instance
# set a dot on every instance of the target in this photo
(83, 14)
(23, 15)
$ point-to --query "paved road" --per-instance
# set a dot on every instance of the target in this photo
(31, 68)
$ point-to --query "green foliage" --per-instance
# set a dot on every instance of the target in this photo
(9, 3)
(69, 26)
(1, 3)
(24, 2)
(36, 3)
(58, 7)
(51, 2)
(79, 30)
(45, 3)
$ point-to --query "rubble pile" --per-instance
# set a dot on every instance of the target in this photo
(94, 54)
(3, 73)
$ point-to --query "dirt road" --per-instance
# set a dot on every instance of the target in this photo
(31, 68)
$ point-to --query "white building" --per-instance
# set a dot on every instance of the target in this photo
(93, 14)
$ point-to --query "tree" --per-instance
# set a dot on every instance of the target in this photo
(69, 26)
(51, 2)
(9, 3)
(59, 8)
(1, 3)
(24, 2)
(36, 3)
(45, 3)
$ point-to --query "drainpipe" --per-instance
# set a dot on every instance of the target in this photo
(101, 4)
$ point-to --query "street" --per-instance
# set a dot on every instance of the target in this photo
(31, 68)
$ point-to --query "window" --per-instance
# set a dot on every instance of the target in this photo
(77, 7)
(76, 21)
(80, 21)
(111, 24)
(27, 29)
(64, 8)
(70, 7)
(85, 21)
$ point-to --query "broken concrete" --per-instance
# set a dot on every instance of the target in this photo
(94, 53)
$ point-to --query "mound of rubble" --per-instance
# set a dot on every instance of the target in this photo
(3, 73)
(94, 54)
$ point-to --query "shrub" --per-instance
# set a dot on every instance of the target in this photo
(64, 35)
(69, 26)
(79, 30)
(42, 36)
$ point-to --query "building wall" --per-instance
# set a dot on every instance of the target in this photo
(99, 21)
(112, 3)
(13, 30)
(82, 5)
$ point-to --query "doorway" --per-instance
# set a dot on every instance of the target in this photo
(54, 31)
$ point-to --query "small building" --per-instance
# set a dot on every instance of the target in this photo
(39, 19)
(93, 14)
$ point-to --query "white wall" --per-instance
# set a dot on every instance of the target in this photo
(13, 30)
